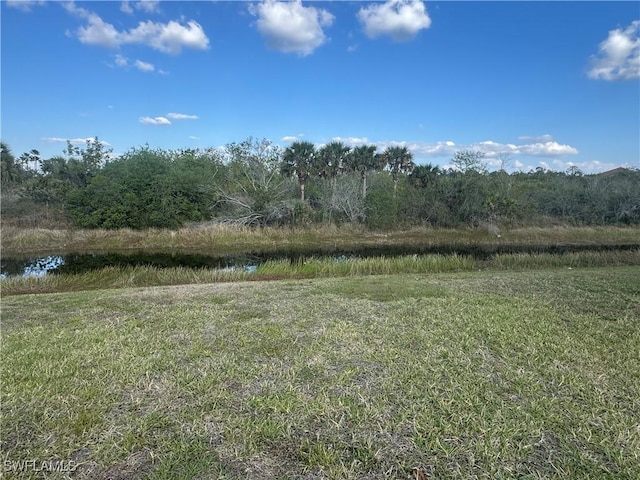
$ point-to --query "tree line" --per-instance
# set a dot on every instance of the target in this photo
(255, 182)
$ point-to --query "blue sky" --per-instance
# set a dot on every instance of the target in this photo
(549, 84)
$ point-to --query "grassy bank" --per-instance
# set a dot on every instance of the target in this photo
(529, 374)
(145, 276)
(223, 239)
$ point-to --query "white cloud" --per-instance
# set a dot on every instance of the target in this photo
(400, 19)
(165, 120)
(538, 138)
(169, 37)
(291, 28)
(589, 166)
(98, 32)
(193, 137)
(126, 7)
(154, 121)
(492, 150)
(148, 6)
(121, 61)
(555, 164)
(546, 149)
(72, 8)
(144, 66)
(182, 116)
(438, 149)
(24, 5)
(618, 56)
(292, 138)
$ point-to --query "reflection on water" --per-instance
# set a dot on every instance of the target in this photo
(38, 267)
(249, 262)
(79, 263)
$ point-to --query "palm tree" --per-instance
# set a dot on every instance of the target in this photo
(11, 171)
(331, 161)
(423, 175)
(399, 160)
(364, 159)
(298, 160)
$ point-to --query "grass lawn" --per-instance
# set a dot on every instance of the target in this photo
(492, 374)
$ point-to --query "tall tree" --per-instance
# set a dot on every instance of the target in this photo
(331, 160)
(255, 191)
(85, 163)
(469, 161)
(399, 160)
(32, 157)
(362, 160)
(299, 159)
(12, 172)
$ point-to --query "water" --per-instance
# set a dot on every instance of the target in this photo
(79, 263)
(33, 267)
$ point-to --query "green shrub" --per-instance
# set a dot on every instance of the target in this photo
(381, 205)
(147, 188)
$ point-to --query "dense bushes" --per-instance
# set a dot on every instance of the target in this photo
(147, 188)
(246, 183)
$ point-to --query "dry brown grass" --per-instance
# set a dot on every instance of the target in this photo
(225, 239)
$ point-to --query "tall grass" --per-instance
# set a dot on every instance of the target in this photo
(118, 277)
(143, 276)
(569, 260)
(223, 239)
(331, 267)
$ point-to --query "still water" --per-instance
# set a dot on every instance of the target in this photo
(79, 263)
(38, 266)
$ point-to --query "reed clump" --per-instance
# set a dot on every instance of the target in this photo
(612, 258)
(344, 266)
(341, 266)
